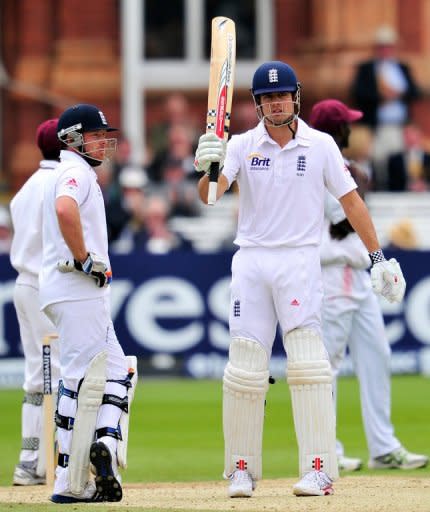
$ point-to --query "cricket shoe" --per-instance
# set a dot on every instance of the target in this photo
(108, 485)
(25, 474)
(242, 484)
(87, 496)
(349, 463)
(399, 459)
(314, 483)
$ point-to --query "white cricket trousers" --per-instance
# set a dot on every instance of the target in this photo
(274, 284)
(34, 325)
(352, 318)
(85, 329)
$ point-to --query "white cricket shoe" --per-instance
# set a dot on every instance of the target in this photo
(25, 474)
(399, 459)
(314, 483)
(349, 463)
(241, 485)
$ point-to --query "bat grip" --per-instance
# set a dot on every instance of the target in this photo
(213, 182)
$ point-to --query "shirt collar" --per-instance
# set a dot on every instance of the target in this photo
(48, 164)
(72, 156)
(302, 138)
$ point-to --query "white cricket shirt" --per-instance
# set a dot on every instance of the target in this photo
(76, 179)
(26, 213)
(281, 199)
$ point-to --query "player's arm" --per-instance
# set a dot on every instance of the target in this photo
(93, 266)
(359, 218)
(203, 186)
(69, 220)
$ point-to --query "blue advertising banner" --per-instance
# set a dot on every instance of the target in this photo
(172, 311)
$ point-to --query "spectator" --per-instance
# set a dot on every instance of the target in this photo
(175, 110)
(403, 236)
(410, 169)
(157, 237)
(360, 150)
(384, 89)
(147, 229)
(180, 147)
(119, 210)
(178, 191)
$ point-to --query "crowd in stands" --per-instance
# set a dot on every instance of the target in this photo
(141, 198)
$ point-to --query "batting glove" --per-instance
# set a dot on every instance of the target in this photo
(93, 267)
(210, 149)
(387, 278)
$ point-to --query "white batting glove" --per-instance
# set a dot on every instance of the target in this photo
(93, 267)
(387, 280)
(210, 149)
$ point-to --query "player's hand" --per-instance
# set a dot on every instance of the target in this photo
(387, 280)
(93, 267)
(341, 230)
(210, 149)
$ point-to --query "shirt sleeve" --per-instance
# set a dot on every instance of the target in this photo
(73, 182)
(337, 177)
(333, 209)
(232, 160)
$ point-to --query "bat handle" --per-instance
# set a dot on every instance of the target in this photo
(213, 183)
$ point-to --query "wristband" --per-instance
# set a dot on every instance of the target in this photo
(376, 256)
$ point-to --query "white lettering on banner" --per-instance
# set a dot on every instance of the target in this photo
(417, 311)
(165, 298)
(219, 306)
(6, 296)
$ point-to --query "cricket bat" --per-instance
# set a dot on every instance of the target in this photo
(220, 93)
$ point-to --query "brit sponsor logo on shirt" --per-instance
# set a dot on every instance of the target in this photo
(301, 165)
(259, 162)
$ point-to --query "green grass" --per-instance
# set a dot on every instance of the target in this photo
(176, 431)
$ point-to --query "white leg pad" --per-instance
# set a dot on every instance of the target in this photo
(125, 417)
(310, 377)
(245, 383)
(89, 401)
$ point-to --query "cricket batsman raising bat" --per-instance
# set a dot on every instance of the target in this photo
(220, 94)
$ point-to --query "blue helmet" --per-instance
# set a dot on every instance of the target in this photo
(274, 76)
(79, 119)
(82, 118)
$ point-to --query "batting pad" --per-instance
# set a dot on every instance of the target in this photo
(125, 417)
(245, 383)
(310, 377)
(89, 400)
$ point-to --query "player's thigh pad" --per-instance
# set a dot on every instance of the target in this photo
(90, 397)
(309, 376)
(245, 383)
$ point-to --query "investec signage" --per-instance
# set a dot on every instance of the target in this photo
(179, 305)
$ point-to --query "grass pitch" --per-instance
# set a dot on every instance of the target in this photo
(176, 429)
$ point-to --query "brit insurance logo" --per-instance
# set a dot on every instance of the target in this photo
(301, 165)
(258, 162)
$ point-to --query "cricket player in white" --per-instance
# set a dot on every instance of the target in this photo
(26, 257)
(283, 168)
(74, 292)
(352, 316)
